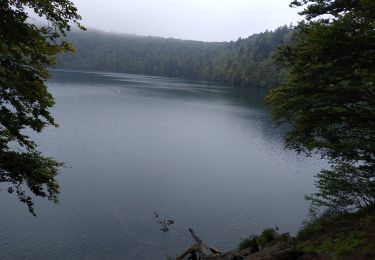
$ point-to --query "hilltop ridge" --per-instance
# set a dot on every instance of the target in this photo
(244, 62)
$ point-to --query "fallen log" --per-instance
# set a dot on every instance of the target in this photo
(281, 248)
(200, 250)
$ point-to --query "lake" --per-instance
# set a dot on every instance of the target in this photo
(202, 154)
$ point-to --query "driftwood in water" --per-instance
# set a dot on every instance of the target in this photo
(282, 248)
(164, 223)
(196, 238)
(200, 250)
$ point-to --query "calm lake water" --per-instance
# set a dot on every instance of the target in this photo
(201, 154)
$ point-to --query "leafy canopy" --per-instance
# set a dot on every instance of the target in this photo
(26, 50)
(328, 98)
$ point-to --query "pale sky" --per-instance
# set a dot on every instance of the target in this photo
(207, 20)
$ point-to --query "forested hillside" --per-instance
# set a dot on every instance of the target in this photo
(245, 62)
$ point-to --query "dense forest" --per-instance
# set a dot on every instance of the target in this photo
(245, 62)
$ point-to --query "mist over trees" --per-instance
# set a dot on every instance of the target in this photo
(244, 62)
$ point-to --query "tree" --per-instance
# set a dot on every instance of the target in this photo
(26, 50)
(328, 98)
(246, 62)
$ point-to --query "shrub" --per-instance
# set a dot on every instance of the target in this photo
(268, 235)
(345, 188)
(245, 243)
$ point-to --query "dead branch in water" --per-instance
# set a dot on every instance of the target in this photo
(202, 250)
(164, 223)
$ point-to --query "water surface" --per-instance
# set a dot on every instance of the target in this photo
(202, 154)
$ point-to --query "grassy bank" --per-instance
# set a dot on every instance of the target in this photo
(338, 235)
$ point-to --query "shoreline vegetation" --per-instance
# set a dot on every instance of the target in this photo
(325, 78)
(329, 236)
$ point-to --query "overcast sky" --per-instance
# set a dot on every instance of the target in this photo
(208, 20)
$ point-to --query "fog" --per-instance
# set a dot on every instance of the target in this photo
(207, 20)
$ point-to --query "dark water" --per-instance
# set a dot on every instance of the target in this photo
(205, 155)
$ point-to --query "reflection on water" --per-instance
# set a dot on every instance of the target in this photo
(203, 154)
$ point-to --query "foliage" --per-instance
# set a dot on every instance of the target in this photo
(340, 234)
(25, 51)
(316, 224)
(246, 243)
(340, 245)
(347, 244)
(265, 238)
(245, 62)
(345, 188)
(309, 228)
(35, 171)
(268, 235)
(328, 96)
